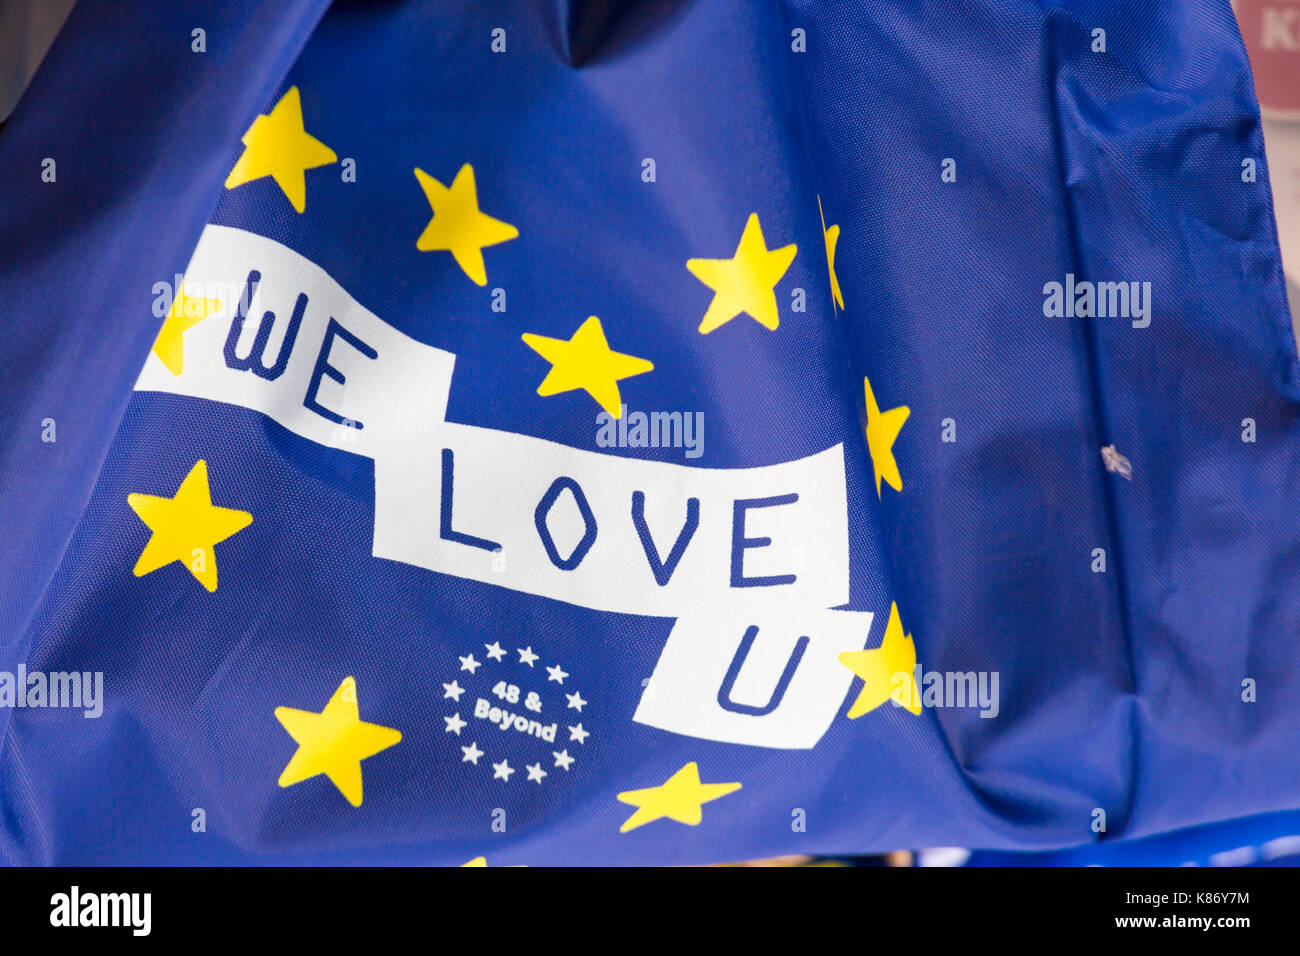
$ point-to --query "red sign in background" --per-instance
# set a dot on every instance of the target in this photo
(1271, 29)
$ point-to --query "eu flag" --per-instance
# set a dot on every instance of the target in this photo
(656, 431)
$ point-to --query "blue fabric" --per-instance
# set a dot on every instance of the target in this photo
(1120, 691)
(1269, 840)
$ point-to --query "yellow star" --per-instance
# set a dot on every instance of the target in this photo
(186, 527)
(831, 236)
(882, 430)
(457, 224)
(276, 145)
(681, 798)
(586, 362)
(333, 742)
(886, 671)
(745, 283)
(185, 314)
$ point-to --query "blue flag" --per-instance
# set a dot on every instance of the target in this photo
(594, 432)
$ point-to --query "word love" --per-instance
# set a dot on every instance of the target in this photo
(589, 528)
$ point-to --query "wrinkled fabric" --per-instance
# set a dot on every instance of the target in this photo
(1121, 690)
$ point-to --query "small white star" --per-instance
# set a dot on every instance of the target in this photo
(495, 651)
(576, 701)
(472, 753)
(578, 734)
(526, 655)
(454, 724)
(453, 690)
(502, 770)
(535, 772)
(557, 674)
(467, 663)
(562, 758)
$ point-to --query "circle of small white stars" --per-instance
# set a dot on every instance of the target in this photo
(559, 760)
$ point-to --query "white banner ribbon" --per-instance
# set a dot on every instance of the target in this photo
(585, 527)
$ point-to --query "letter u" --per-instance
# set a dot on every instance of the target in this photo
(738, 662)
